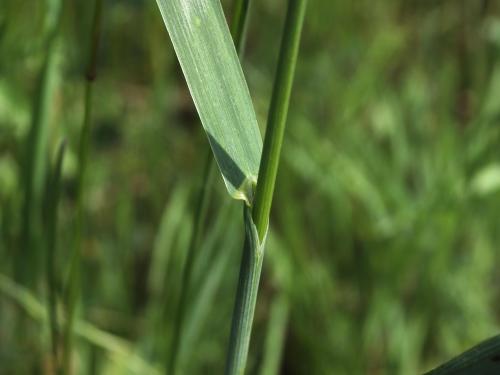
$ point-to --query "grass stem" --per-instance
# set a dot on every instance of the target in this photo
(52, 225)
(257, 222)
(73, 282)
(246, 297)
(277, 114)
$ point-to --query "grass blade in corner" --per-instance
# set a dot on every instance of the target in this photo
(208, 58)
(482, 359)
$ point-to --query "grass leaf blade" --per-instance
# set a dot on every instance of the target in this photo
(482, 359)
(208, 58)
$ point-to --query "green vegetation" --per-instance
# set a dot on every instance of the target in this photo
(54, 193)
(257, 222)
(72, 285)
(121, 249)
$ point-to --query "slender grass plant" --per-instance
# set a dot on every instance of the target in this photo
(203, 46)
(73, 281)
(52, 226)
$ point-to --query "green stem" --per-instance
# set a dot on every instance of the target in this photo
(55, 192)
(73, 284)
(277, 114)
(238, 33)
(253, 251)
(246, 297)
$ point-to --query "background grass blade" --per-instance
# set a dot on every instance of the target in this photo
(198, 221)
(52, 226)
(239, 24)
(73, 282)
(208, 58)
(36, 150)
(275, 335)
(482, 359)
(278, 259)
(118, 348)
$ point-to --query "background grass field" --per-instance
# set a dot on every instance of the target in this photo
(383, 254)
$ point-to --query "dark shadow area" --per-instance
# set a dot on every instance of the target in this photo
(231, 171)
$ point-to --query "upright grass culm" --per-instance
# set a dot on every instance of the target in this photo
(52, 226)
(278, 111)
(73, 280)
(238, 26)
(257, 221)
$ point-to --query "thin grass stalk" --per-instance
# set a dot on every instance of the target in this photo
(257, 221)
(238, 28)
(277, 114)
(52, 225)
(73, 282)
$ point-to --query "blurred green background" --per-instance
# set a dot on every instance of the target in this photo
(382, 256)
